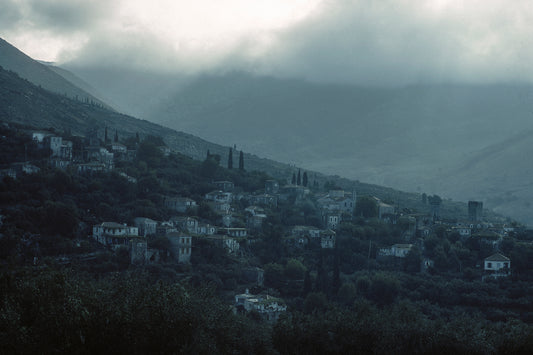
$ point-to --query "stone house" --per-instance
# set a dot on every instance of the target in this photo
(337, 200)
(206, 229)
(179, 204)
(219, 196)
(309, 231)
(186, 224)
(332, 219)
(181, 246)
(115, 234)
(60, 148)
(164, 228)
(255, 221)
(146, 226)
(221, 207)
(268, 307)
(263, 200)
(385, 210)
(327, 239)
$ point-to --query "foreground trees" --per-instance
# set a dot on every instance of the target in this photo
(121, 314)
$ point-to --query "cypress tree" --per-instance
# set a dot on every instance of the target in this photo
(304, 179)
(230, 159)
(299, 179)
(241, 161)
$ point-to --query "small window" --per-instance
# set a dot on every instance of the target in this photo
(489, 265)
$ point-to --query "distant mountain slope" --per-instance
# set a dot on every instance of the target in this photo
(320, 122)
(132, 92)
(500, 174)
(22, 102)
(40, 74)
(414, 138)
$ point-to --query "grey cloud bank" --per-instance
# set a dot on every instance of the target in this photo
(362, 42)
(386, 43)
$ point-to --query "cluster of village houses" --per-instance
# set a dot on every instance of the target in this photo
(92, 157)
(182, 230)
(422, 225)
(334, 205)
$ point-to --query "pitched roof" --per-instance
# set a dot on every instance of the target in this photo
(113, 225)
(497, 257)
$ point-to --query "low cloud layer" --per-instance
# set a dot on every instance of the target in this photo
(395, 42)
(381, 42)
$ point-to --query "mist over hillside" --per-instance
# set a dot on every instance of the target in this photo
(423, 138)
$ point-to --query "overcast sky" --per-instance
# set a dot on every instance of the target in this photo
(366, 42)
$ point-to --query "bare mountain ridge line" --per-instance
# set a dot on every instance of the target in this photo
(40, 74)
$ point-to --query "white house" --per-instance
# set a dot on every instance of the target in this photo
(397, 250)
(111, 233)
(206, 229)
(219, 196)
(497, 265)
(234, 232)
(337, 200)
(267, 306)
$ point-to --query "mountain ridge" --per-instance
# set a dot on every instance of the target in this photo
(22, 102)
(41, 74)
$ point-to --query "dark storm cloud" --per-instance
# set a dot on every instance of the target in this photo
(381, 42)
(399, 42)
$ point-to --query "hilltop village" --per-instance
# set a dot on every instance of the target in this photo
(269, 248)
